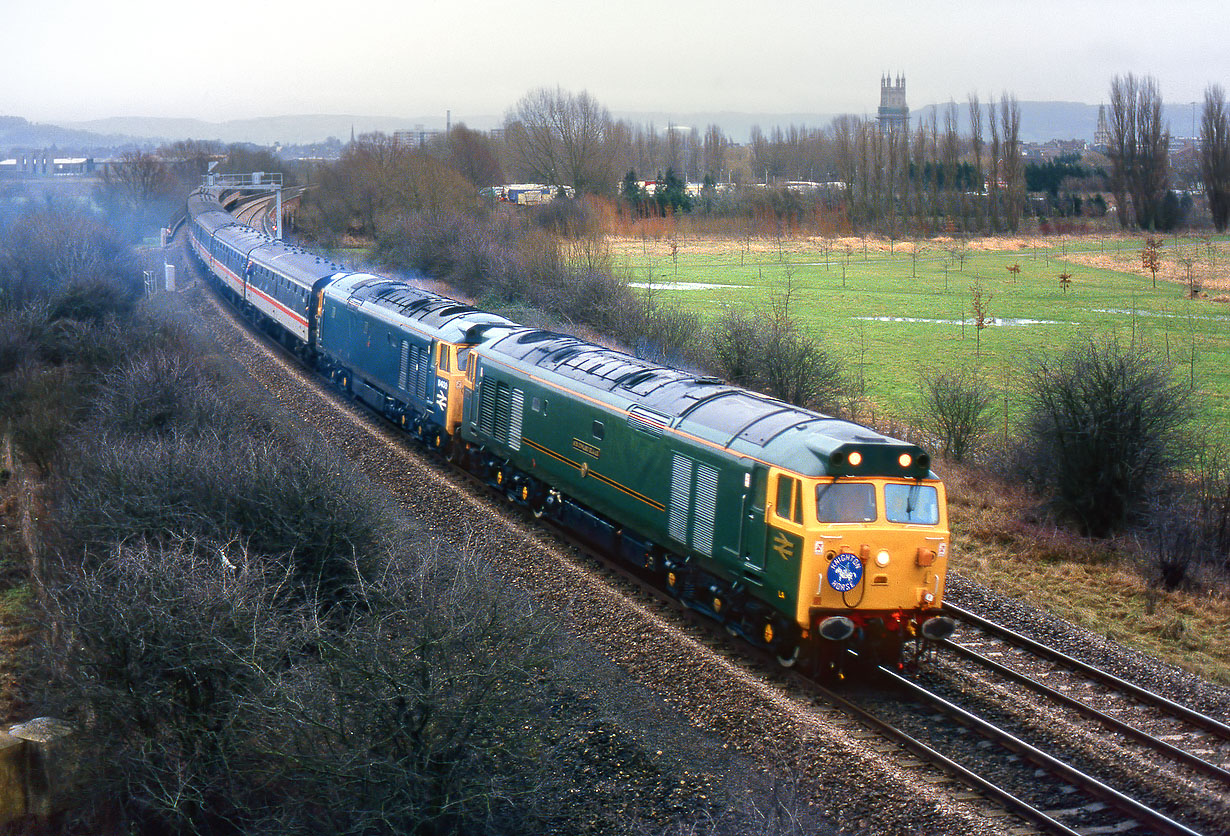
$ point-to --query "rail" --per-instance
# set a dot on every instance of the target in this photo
(1126, 805)
(1144, 695)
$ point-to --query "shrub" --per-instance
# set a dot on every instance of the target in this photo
(1174, 544)
(301, 504)
(50, 251)
(154, 653)
(956, 406)
(427, 714)
(502, 258)
(1104, 430)
(163, 391)
(208, 701)
(767, 351)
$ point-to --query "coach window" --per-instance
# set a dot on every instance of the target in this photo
(789, 499)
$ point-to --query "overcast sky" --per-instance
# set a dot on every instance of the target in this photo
(70, 60)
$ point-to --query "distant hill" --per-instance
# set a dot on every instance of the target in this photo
(1040, 121)
(16, 132)
(269, 130)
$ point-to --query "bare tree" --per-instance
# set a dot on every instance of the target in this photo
(975, 138)
(1122, 149)
(1152, 175)
(996, 167)
(951, 158)
(1215, 154)
(560, 138)
(473, 155)
(1139, 149)
(1150, 256)
(715, 149)
(1013, 167)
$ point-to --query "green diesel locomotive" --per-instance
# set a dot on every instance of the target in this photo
(802, 533)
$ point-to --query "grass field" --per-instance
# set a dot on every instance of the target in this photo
(890, 312)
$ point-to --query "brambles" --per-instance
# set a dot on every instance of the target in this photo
(293, 502)
(59, 252)
(205, 698)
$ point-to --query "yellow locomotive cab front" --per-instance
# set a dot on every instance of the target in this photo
(874, 556)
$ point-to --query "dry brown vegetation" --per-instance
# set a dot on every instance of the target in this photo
(1002, 540)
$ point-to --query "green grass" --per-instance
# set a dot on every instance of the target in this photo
(1194, 335)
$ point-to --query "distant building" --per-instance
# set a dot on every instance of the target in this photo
(420, 137)
(894, 113)
(42, 164)
(1101, 137)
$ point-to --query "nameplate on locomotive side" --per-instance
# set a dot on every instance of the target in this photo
(587, 449)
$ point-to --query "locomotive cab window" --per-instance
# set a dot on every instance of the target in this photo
(918, 504)
(599, 430)
(846, 502)
(445, 364)
(789, 499)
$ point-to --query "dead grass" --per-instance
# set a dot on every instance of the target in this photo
(1002, 541)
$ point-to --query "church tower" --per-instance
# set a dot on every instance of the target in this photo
(894, 113)
(1101, 136)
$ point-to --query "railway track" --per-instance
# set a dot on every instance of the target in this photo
(1189, 738)
(1168, 760)
(1032, 778)
(1057, 812)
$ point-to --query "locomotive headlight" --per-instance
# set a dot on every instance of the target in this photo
(882, 559)
(905, 460)
(855, 459)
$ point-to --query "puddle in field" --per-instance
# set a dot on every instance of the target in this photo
(991, 320)
(1160, 315)
(685, 285)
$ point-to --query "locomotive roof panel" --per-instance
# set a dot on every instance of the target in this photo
(746, 423)
(398, 302)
